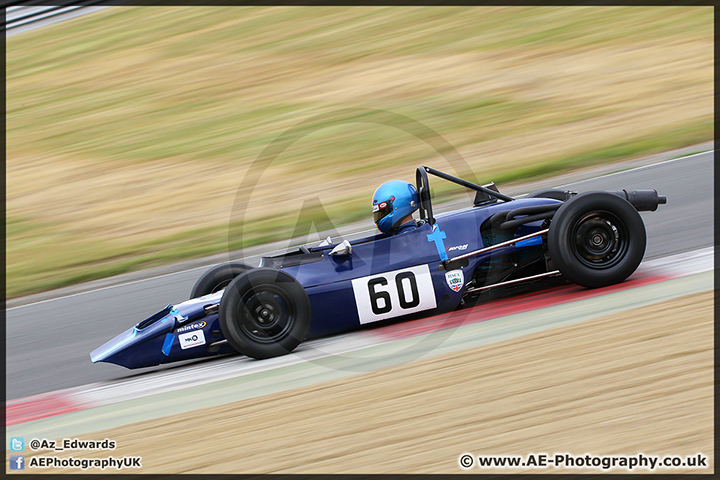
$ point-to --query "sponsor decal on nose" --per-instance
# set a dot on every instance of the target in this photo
(192, 326)
(192, 339)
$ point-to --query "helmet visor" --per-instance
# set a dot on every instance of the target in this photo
(381, 210)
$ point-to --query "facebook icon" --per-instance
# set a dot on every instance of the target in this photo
(17, 462)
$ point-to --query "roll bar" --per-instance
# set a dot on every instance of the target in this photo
(423, 187)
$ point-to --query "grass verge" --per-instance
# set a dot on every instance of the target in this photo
(129, 130)
(217, 239)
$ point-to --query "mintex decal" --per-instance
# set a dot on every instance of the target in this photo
(192, 339)
(455, 279)
(192, 326)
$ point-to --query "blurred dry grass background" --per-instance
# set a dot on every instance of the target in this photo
(130, 130)
(641, 381)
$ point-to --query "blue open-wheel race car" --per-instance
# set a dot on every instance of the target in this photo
(413, 268)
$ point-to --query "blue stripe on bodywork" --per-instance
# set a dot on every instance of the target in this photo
(529, 242)
(167, 345)
(437, 236)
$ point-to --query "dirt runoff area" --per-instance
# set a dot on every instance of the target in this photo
(637, 383)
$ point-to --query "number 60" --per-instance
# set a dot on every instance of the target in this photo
(405, 303)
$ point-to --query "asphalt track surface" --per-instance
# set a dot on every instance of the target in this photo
(48, 343)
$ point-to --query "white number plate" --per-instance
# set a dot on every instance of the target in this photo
(391, 294)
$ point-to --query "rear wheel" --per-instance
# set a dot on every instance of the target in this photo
(550, 193)
(264, 313)
(597, 239)
(218, 278)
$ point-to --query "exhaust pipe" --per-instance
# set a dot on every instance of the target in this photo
(643, 200)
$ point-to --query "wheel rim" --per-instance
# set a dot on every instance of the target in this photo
(599, 240)
(267, 313)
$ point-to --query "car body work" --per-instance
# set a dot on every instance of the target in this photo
(430, 269)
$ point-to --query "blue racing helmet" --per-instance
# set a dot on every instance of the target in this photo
(392, 202)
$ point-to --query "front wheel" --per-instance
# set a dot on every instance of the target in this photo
(596, 239)
(264, 313)
(217, 278)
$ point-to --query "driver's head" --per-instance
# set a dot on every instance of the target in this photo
(392, 202)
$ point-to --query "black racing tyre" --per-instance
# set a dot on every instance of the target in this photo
(217, 278)
(549, 193)
(264, 313)
(596, 239)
